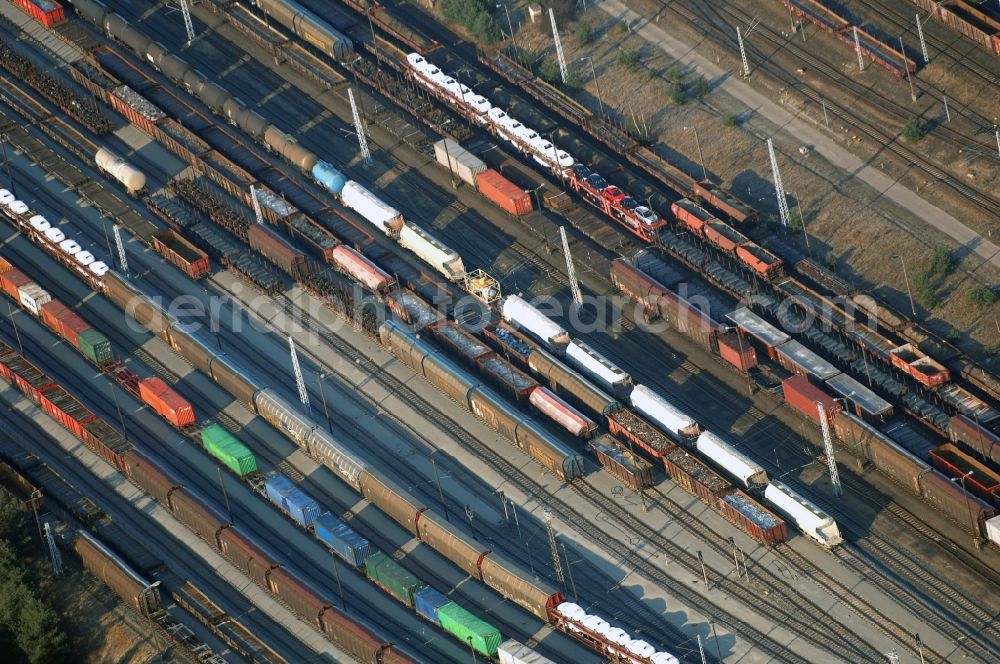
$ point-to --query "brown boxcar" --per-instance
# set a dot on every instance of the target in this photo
(275, 249)
(960, 506)
(737, 351)
(568, 384)
(563, 462)
(179, 252)
(116, 574)
(869, 444)
(638, 285)
(187, 346)
(138, 306)
(625, 424)
(246, 555)
(232, 380)
(296, 596)
(509, 580)
(504, 193)
(489, 408)
(19, 489)
(197, 516)
(107, 442)
(984, 442)
(391, 499)
(454, 545)
(363, 644)
(149, 477)
(690, 321)
(978, 479)
(618, 460)
(445, 376)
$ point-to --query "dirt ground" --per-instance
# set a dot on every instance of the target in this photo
(843, 217)
(101, 628)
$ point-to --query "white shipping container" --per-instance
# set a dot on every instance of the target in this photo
(517, 311)
(32, 297)
(463, 163)
(513, 652)
(662, 412)
(442, 258)
(598, 367)
(810, 519)
(372, 208)
(993, 530)
(736, 463)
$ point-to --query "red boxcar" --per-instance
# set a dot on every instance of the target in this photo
(737, 351)
(802, 395)
(167, 403)
(108, 443)
(46, 12)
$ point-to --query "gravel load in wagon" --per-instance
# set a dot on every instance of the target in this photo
(508, 375)
(698, 471)
(321, 238)
(139, 104)
(641, 429)
(461, 341)
(751, 510)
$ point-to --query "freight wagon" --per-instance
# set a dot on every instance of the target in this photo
(811, 520)
(622, 463)
(181, 253)
(967, 18)
(47, 12)
(973, 476)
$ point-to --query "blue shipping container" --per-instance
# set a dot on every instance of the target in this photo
(301, 507)
(329, 177)
(426, 602)
(275, 487)
(346, 543)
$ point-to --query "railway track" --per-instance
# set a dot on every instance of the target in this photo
(713, 18)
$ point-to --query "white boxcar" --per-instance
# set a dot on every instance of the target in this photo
(385, 217)
(517, 311)
(662, 412)
(463, 163)
(809, 518)
(599, 368)
(735, 463)
(32, 297)
(514, 652)
(444, 259)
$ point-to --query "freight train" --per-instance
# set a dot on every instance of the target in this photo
(967, 18)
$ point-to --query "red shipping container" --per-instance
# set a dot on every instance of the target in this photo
(737, 351)
(4, 265)
(46, 12)
(13, 279)
(168, 404)
(504, 193)
(803, 395)
(52, 313)
(72, 327)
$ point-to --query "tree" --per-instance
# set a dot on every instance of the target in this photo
(701, 88)
(485, 28)
(39, 635)
(729, 120)
(584, 33)
(982, 297)
(831, 260)
(675, 92)
(942, 262)
(549, 70)
(11, 520)
(914, 131)
(926, 292)
(574, 78)
(629, 57)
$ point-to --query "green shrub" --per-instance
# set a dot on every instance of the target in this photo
(475, 15)
(831, 260)
(549, 70)
(982, 297)
(675, 92)
(942, 262)
(701, 88)
(914, 130)
(574, 78)
(673, 74)
(926, 292)
(584, 33)
(629, 57)
(729, 120)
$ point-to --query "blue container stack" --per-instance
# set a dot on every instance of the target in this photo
(426, 602)
(346, 543)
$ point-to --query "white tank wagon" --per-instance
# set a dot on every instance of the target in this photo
(518, 312)
(663, 413)
(442, 258)
(813, 521)
(737, 464)
(131, 178)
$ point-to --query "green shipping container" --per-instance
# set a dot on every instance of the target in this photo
(96, 346)
(226, 448)
(386, 572)
(467, 628)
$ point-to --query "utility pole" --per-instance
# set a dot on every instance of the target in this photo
(121, 248)
(906, 280)
(556, 563)
(437, 479)
(258, 213)
(359, 129)
(743, 53)
(340, 587)
(569, 570)
(802, 220)
(299, 380)
(920, 647)
(225, 495)
(902, 50)
(947, 113)
(6, 163)
(510, 26)
(701, 650)
(923, 44)
(597, 84)
(857, 49)
(559, 49)
(17, 335)
(188, 26)
(574, 285)
(53, 550)
(779, 189)
(321, 379)
(831, 460)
